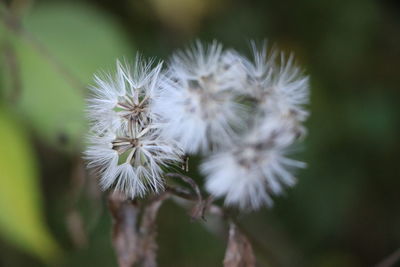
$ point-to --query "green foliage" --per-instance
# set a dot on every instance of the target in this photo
(56, 53)
(21, 217)
(65, 46)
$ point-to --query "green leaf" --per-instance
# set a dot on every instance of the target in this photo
(66, 44)
(21, 217)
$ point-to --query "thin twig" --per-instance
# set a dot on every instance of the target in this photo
(200, 206)
(206, 207)
(189, 181)
(125, 238)
(239, 252)
(227, 216)
(147, 231)
(12, 62)
(391, 260)
(181, 192)
(209, 207)
(134, 229)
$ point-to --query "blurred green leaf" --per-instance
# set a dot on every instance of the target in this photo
(55, 68)
(21, 218)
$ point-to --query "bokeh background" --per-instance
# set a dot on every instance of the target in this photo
(345, 210)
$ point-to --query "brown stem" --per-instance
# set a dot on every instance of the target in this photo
(134, 241)
(125, 238)
(189, 181)
(209, 207)
(200, 206)
(391, 260)
(181, 192)
(134, 229)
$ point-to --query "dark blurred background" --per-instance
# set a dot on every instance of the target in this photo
(345, 209)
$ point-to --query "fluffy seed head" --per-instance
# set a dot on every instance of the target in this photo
(253, 170)
(125, 145)
(256, 167)
(126, 95)
(197, 100)
(277, 83)
(132, 161)
(242, 114)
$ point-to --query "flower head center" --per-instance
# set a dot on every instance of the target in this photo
(129, 109)
(123, 144)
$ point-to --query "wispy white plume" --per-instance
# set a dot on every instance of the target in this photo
(125, 145)
(277, 83)
(252, 170)
(242, 114)
(256, 167)
(198, 100)
(127, 94)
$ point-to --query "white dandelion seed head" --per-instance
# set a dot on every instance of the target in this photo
(115, 99)
(131, 161)
(245, 113)
(255, 168)
(282, 130)
(197, 99)
(101, 157)
(125, 145)
(250, 173)
(277, 83)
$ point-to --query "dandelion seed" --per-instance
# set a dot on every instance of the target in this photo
(132, 161)
(244, 114)
(197, 100)
(114, 100)
(277, 83)
(125, 143)
(252, 171)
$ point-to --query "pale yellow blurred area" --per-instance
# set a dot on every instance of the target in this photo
(184, 15)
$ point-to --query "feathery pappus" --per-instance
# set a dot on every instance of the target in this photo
(242, 115)
(125, 145)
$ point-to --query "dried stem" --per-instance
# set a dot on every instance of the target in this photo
(124, 235)
(181, 192)
(189, 181)
(239, 252)
(134, 241)
(148, 232)
(134, 230)
(199, 207)
(391, 260)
